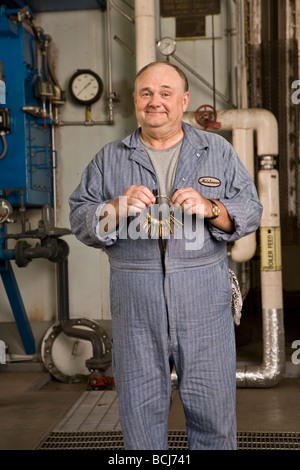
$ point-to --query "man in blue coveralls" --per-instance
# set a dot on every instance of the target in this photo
(170, 299)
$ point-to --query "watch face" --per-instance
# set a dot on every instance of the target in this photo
(167, 46)
(85, 87)
(215, 210)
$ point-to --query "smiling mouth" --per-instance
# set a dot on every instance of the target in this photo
(155, 112)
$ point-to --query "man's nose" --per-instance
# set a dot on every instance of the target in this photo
(155, 100)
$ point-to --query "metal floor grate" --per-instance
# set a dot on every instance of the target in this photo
(177, 440)
(83, 441)
(268, 440)
(100, 441)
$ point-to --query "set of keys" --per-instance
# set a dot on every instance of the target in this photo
(160, 227)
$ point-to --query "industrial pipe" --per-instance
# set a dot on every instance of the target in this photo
(242, 140)
(57, 251)
(261, 121)
(244, 123)
(99, 360)
(145, 43)
(270, 372)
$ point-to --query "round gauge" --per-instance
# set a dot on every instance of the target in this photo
(167, 46)
(85, 87)
(5, 210)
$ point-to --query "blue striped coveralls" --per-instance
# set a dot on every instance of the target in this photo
(177, 314)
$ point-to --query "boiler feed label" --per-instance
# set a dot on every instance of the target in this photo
(270, 245)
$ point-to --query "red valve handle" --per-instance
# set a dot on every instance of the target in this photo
(206, 116)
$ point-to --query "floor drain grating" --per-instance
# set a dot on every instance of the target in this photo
(177, 440)
(268, 440)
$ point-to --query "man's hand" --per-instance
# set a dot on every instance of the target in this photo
(132, 202)
(135, 199)
(191, 202)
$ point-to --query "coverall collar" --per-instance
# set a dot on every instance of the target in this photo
(190, 133)
(192, 152)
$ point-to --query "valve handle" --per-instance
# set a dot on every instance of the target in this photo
(206, 116)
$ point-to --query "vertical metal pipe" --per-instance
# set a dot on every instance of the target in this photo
(242, 99)
(64, 317)
(53, 148)
(108, 37)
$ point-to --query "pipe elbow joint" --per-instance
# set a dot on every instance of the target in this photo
(260, 377)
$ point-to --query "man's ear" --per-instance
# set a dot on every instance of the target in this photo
(186, 100)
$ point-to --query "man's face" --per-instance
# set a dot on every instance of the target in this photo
(160, 100)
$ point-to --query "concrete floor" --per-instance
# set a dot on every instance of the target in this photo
(32, 404)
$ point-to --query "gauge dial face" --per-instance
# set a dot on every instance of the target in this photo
(167, 46)
(5, 210)
(85, 87)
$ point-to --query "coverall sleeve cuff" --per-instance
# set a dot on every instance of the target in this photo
(110, 237)
(240, 217)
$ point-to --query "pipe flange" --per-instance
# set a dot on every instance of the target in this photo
(20, 254)
(267, 162)
(66, 357)
(62, 251)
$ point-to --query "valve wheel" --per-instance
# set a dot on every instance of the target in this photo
(206, 115)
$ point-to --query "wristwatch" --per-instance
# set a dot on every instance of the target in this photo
(215, 210)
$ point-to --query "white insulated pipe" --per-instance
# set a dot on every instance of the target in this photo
(145, 45)
(242, 140)
(260, 121)
(244, 123)
(270, 238)
(270, 372)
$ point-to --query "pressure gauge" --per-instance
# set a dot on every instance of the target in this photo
(167, 46)
(85, 87)
(5, 210)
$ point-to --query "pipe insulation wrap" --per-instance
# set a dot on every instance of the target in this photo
(269, 373)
